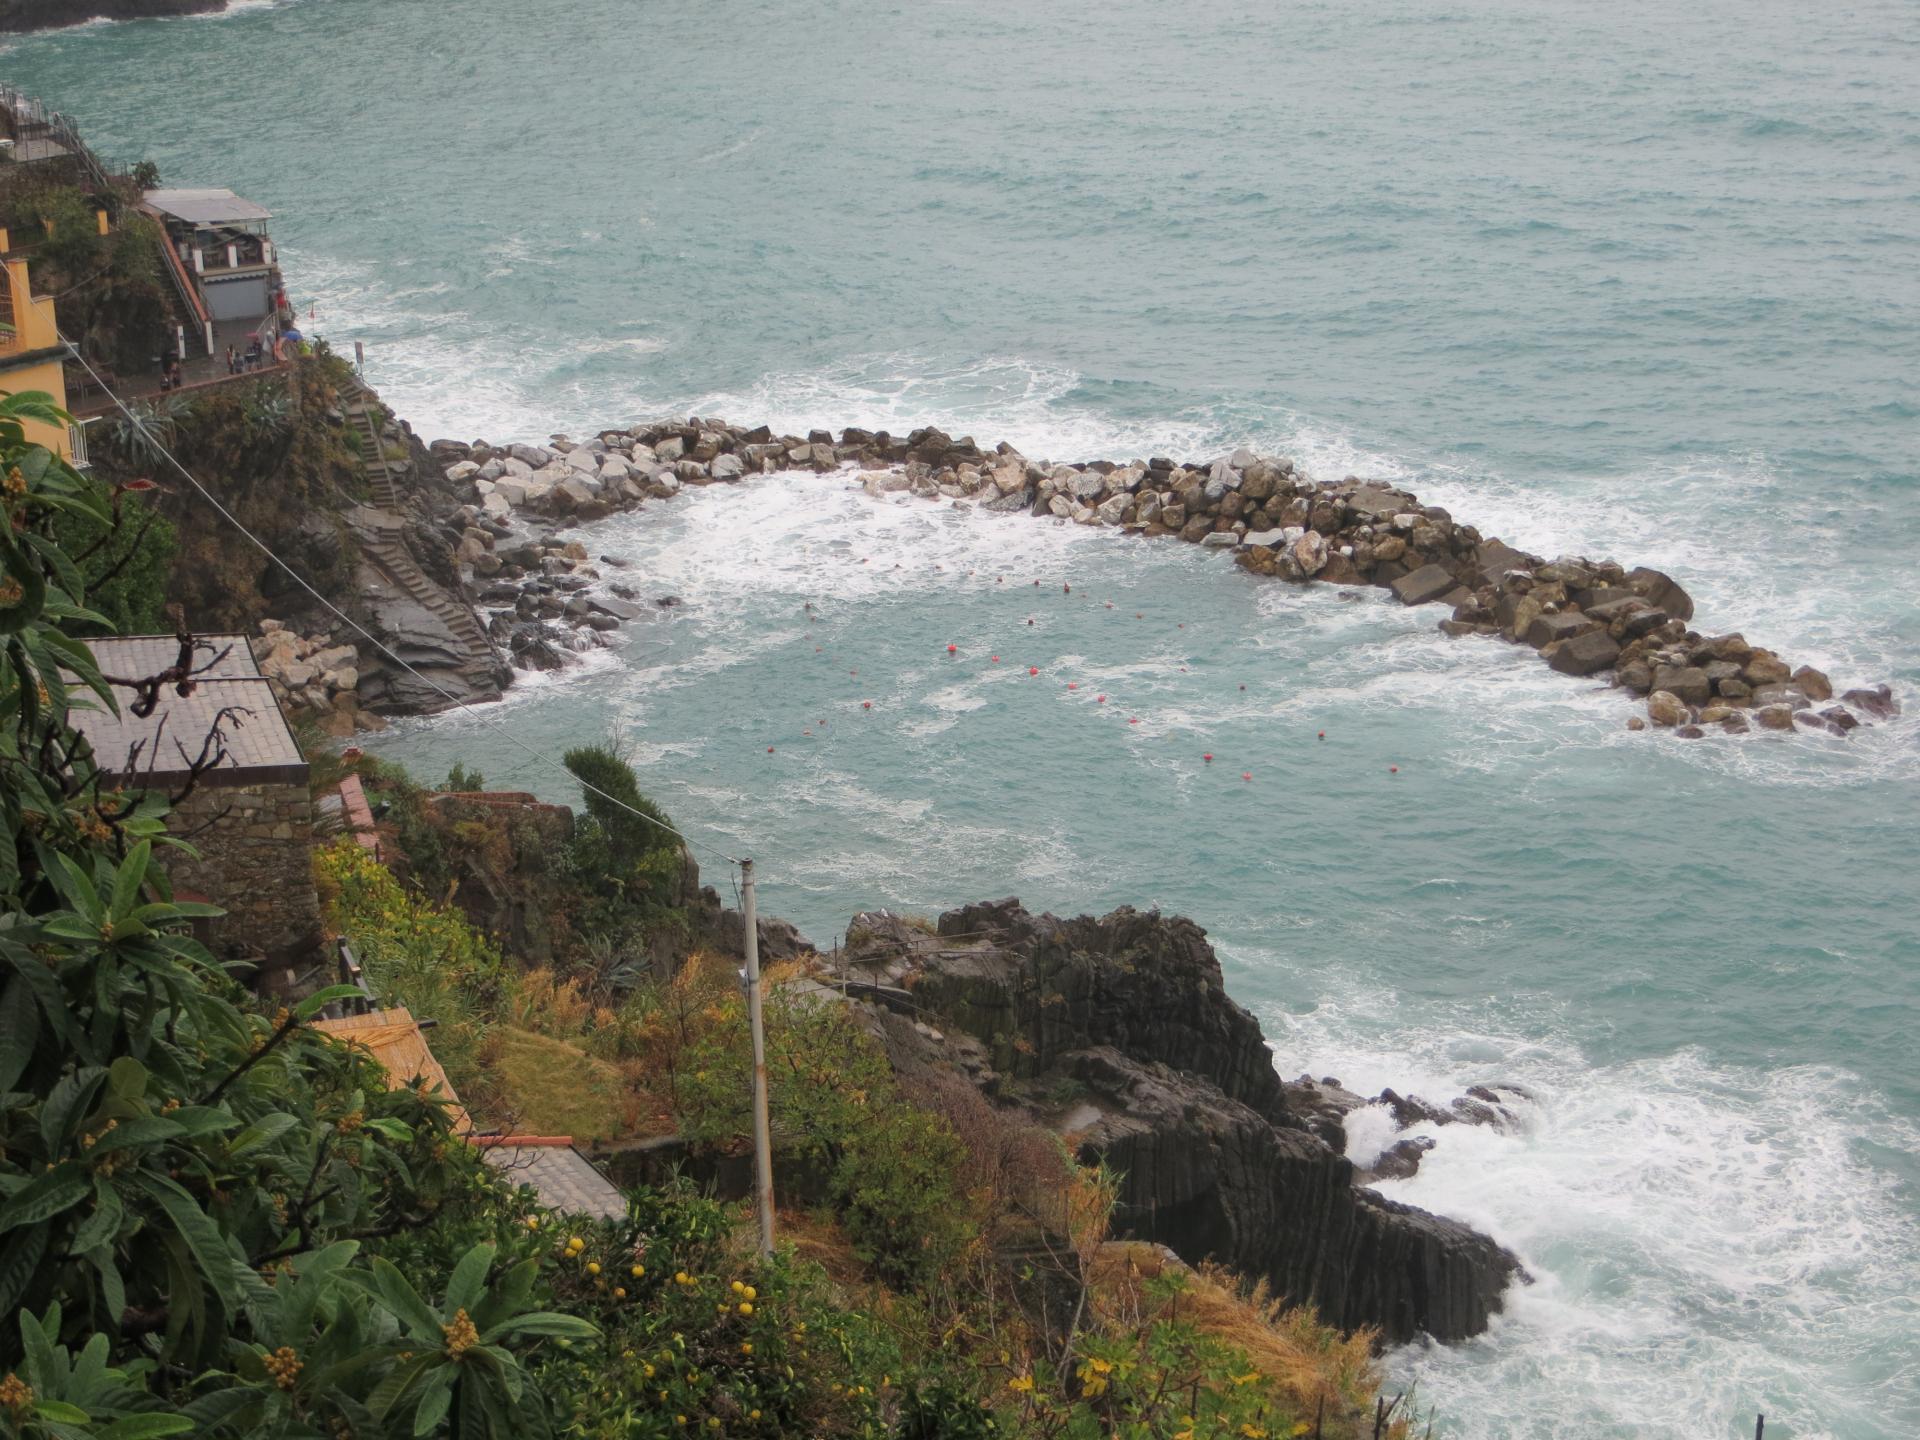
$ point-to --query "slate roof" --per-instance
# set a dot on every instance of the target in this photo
(260, 746)
(560, 1175)
(207, 207)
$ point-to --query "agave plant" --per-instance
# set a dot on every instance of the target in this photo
(139, 440)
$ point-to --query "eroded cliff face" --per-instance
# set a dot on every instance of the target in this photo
(1118, 1032)
(21, 15)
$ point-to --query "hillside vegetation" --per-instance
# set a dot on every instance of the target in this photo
(215, 1220)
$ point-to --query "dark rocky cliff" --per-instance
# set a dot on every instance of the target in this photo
(20, 15)
(1119, 1032)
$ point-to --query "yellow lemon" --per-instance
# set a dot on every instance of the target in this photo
(593, 1267)
(745, 1308)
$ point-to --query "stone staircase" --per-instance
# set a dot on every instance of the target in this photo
(477, 663)
(461, 660)
(363, 423)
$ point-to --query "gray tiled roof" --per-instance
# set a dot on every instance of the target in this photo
(206, 207)
(563, 1178)
(260, 747)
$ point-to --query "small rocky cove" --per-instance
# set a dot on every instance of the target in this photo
(546, 597)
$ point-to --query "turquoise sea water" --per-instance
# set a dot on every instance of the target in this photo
(1609, 280)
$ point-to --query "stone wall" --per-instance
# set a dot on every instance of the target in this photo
(255, 843)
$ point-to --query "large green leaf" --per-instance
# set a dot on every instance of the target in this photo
(100, 1227)
(58, 1412)
(66, 1104)
(127, 1078)
(393, 1389)
(46, 1196)
(202, 1236)
(320, 999)
(128, 880)
(18, 1016)
(145, 1427)
(396, 1292)
(17, 1264)
(545, 1322)
(469, 1280)
(263, 1131)
(435, 1399)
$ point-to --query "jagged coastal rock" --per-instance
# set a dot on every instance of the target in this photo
(1118, 1032)
(21, 15)
(1583, 616)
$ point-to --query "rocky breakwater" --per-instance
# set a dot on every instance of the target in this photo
(1118, 1033)
(1583, 616)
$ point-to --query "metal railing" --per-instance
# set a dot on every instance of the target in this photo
(30, 119)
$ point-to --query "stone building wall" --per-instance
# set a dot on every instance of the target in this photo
(255, 842)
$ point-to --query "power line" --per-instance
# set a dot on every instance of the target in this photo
(300, 580)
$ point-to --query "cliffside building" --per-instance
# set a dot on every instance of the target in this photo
(31, 352)
(222, 259)
(250, 816)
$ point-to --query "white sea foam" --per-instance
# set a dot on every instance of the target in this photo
(1689, 1226)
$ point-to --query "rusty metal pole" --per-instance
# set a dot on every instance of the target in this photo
(762, 1137)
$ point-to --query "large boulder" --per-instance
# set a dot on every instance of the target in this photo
(1562, 625)
(1666, 708)
(1689, 682)
(1661, 589)
(1309, 552)
(1587, 653)
(1420, 586)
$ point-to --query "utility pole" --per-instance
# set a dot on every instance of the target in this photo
(762, 1138)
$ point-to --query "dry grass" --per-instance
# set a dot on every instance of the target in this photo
(1311, 1362)
(548, 1087)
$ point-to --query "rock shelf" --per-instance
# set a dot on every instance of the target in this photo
(1585, 617)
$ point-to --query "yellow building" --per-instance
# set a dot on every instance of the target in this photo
(31, 352)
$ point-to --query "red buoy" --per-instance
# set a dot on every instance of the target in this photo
(1393, 769)
(769, 749)
(1132, 721)
(1033, 669)
(996, 659)
(1208, 758)
(866, 704)
(952, 649)
(1073, 684)
(1323, 734)
(1246, 774)
(1101, 698)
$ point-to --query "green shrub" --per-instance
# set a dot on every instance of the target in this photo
(701, 1340)
(891, 1167)
(124, 564)
(418, 954)
(633, 852)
